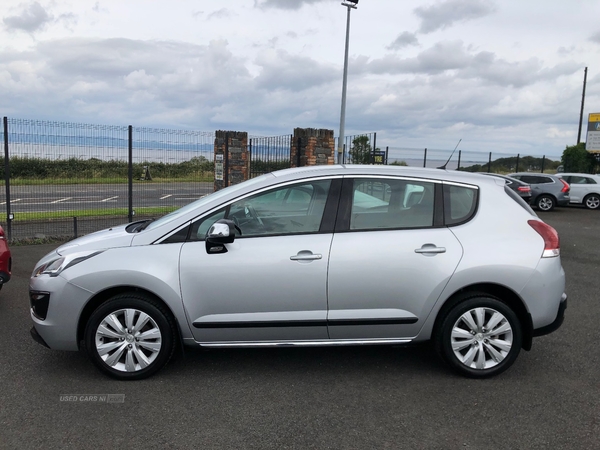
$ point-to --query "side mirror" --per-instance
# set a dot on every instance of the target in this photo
(220, 233)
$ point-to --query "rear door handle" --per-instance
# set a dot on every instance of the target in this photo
(430, 249)
(306, 255)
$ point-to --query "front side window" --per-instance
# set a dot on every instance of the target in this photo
(291, 209)
(391, 204)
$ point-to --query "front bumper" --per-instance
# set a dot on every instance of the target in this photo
(37, 338)
(560, 317)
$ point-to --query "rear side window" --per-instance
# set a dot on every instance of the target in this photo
(536, 179)
(580, 180)
(391, 204)
(460, 203)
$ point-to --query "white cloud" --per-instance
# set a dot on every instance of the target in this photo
(500, 75)
(444, 14)
(404, 39)
(32, 18)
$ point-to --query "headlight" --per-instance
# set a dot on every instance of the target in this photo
(56, 266)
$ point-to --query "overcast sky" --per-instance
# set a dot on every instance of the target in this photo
(502, 75)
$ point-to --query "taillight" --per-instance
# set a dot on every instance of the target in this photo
(2, 236)
(524, 189)
(550, 236)
(566, 188)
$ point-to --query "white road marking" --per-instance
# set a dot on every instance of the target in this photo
(166, 196)
(109, 199)
(12, 201)
(62, 200)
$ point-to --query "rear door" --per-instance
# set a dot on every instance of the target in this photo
(580, 187)
(391, 257)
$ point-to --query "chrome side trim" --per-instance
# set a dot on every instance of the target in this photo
(328, 343)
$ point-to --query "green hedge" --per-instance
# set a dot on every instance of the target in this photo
(73, 168)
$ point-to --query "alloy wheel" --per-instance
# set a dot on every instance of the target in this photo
(481, 338)
(128, 340)
(592, 202)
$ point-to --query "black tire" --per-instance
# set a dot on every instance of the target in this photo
(136, 353)
(545, 203)
(494, 351)
(592, 201)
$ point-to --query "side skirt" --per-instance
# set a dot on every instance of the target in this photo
(323, 343)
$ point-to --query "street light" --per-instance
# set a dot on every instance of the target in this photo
(350, 4)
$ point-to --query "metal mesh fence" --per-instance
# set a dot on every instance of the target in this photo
(68, 179)
(171, 168)
(269, 153)
(472, 160)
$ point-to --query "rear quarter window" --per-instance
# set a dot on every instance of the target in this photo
(460, 204)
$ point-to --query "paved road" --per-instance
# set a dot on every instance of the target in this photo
(45, 198)
(350, 398)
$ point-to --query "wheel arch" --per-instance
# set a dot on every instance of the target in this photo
(502, 293)
(103, 296)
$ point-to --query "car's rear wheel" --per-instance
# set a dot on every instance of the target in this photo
(592, 201)
(545, 203)
(130, 337)
(479, 337)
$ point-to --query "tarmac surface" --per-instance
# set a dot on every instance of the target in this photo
(346, 398)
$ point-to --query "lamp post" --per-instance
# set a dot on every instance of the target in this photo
(350, 4)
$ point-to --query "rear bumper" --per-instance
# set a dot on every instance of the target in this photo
(560, 317)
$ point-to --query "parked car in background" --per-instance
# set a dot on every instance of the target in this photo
(313, 256)
(5, 259)
(547, 191)
(585, 188)
(520, 187)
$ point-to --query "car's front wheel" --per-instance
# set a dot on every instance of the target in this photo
(479, 337)
(592, 201)
(130, 336)
(545, 203)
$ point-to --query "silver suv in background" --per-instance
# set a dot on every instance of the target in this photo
(585, 189)
(547, 191)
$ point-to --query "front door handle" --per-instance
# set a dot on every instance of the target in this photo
(306, 255)
(430, 249)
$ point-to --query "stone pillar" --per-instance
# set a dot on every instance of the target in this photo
(312, 147)
(231, 158)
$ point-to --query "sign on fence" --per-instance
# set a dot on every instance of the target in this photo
(592, 143)
(219, 167)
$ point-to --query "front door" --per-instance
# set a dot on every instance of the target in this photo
(270, 286)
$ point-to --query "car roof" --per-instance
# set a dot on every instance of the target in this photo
(540, 174)
(379, 170)
(577, 175)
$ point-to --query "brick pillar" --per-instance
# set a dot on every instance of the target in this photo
(312, 147)
(231, 158)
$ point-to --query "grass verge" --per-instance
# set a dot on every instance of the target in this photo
(86, 213)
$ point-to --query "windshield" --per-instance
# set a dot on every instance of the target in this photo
(206, 199)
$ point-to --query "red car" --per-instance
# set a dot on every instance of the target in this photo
(5, 259)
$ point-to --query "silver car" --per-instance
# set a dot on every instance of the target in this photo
(319, 256)
(585, 189)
